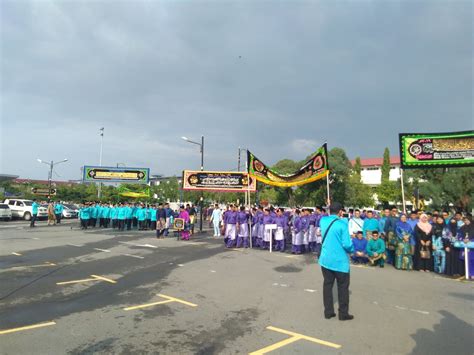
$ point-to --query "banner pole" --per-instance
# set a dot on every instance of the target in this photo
(403, 191)
(248, 200)
(327, 187)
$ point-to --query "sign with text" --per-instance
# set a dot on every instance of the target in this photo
(43, 191)
(218, 181)
(436, 150)
(109, 174)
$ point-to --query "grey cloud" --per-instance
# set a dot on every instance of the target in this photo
(261, 75)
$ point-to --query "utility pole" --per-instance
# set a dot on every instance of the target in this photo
(99, 190)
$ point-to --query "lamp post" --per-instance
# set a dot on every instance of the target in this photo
(101, 130)
(201, 147)
(51, 165)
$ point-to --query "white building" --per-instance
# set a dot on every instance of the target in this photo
(371, 170)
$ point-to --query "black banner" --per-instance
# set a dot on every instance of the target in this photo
(218, 181)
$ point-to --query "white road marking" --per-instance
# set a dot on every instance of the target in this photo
(104, 250)
(180, 265)
(418, 311)
(309, 290)
(36, 238)
(411, 310)
(134, 256)
(148, 246)
(140, 245)
(213, 271)
(76, 245)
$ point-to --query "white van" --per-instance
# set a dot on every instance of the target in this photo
(23, 209)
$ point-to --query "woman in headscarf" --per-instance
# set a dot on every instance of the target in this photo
(422, 257)
(466, 234)
(441, 245)
(403, 253)
(454, 265)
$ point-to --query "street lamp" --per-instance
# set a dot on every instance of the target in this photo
(51, 164)
(201, 147)
(101, 130)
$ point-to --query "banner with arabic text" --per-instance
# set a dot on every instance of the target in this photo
(436, 150)
(218, 181)
(314, 169)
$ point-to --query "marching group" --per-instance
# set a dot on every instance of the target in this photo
(128, 216)
(419, 241)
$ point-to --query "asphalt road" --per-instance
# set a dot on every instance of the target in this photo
(199, 298)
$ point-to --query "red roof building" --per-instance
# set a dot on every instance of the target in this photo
(374, 162)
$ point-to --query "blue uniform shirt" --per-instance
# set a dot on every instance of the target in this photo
(34, 208)
(336, 245)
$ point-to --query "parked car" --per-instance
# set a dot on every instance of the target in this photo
(23, 209)
(70, 211)
(5, 212)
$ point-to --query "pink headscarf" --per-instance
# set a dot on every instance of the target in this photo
(423, 224)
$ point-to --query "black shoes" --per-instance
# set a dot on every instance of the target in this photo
(329, 316)
(346, 317)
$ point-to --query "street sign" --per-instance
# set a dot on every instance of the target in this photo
(43, 191)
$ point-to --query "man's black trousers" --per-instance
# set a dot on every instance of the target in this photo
(343, 280)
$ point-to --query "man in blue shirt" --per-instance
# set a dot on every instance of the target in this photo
(334, 261)
(34, 213)
(58, 211)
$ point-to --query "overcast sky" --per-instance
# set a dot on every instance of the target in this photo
(277, 77)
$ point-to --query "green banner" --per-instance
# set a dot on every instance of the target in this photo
(436, 150)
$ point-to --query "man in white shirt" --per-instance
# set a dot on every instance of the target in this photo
(216, 218)
(355, 224)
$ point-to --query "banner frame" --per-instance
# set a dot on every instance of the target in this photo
(431, 165)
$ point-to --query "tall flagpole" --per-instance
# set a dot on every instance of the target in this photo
(327, 187)
(248, 200)
(403, 191)
(100, 159)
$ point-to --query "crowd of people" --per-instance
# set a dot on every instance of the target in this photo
(422, 241)
(140, 216)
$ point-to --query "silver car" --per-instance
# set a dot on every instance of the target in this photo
(70, 211)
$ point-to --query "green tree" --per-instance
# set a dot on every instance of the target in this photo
(358, 167)
(358, 194)
(386, 165)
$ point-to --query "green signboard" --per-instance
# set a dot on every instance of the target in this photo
(436, 150)
(109, 174)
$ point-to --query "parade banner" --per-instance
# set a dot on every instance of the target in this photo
(108, 174)
(436, 150)
(314, 169)
(226, 181)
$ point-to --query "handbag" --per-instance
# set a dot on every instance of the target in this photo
(425, 253)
